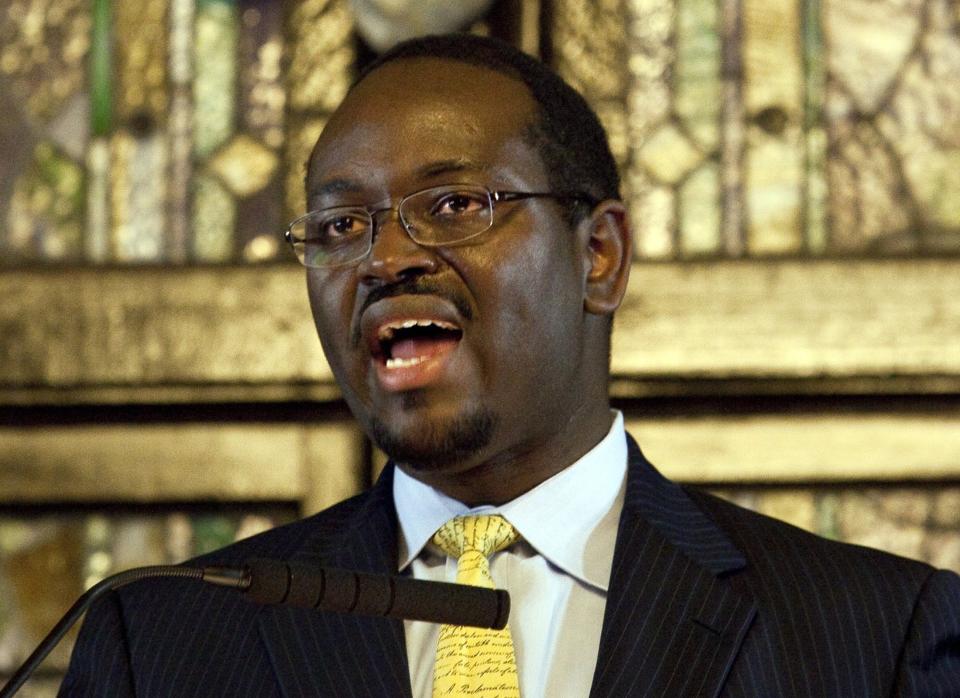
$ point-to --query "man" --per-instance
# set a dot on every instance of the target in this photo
(466, 249)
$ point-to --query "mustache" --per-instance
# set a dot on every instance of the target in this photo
(416, 286)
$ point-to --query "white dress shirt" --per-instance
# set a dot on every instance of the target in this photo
(557, 575)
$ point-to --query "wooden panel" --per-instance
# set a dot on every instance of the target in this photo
(806, 448)
(315, 466)
(150, 326)
(791, 319)
(245, 333)
(334, 465)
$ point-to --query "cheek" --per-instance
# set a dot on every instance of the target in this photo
(331, 302)
(536, 297)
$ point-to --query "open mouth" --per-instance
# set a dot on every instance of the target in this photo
(408, 343)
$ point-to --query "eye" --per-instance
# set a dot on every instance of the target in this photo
(458, 203)
(334, 226)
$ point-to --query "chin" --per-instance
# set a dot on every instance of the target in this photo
(436, 444)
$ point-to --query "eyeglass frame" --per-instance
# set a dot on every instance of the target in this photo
(494, 196)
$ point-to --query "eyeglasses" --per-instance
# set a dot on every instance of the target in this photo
(434, 217)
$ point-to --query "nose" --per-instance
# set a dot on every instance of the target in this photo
(394, 256)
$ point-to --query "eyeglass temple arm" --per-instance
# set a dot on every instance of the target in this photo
(515, 195)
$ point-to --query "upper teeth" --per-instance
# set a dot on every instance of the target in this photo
(402, 363)
(387, 331)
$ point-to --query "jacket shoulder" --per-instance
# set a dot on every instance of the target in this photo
(856, 618)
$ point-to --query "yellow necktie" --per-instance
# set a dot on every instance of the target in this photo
(475, 662)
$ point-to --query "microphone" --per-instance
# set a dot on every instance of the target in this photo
(343, 591)
(296, 584)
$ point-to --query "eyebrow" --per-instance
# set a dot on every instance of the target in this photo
(340, 185)
(334, 186)
(449, 166)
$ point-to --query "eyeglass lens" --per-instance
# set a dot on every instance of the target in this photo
(436, 216)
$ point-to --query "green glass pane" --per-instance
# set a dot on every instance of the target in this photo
(697, 70)
(212, 532)
(101, 76)
(45, 215)
(214, 87)
(815, 76)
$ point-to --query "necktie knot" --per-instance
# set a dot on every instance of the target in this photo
(484, 534)
(475, 662)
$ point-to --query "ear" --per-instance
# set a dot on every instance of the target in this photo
(609, 251)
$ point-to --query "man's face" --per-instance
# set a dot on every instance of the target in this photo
(492, 368)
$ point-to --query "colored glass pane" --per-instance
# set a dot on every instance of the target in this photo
(101, 74)
(263, 96)
(138, 196)
(214, 96)
(697, 70)
(44, 217)
(699, 211)
(320, 34)
(140, 62)
(214, 220)
(815, 148)
(43, 48)
(773, 94)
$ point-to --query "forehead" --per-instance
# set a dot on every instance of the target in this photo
(420, 118)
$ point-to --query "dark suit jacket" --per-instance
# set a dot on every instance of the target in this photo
(705, 599)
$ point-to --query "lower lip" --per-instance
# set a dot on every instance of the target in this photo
(421, 375)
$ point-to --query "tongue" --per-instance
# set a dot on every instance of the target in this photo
(421, 347)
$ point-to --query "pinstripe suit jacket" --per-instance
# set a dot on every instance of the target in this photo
(705, 599)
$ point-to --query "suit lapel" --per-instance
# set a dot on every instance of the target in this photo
(329, 654)
(674, 621)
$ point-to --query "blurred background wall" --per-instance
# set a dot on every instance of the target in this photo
(790, 338)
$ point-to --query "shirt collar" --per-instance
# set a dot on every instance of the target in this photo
(570, 519)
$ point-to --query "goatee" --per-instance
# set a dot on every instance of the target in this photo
(437, 445)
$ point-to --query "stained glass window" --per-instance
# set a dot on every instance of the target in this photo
(161, 131)
(174, 131)
(776, 127)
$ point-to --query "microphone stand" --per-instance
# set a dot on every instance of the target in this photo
(273, 582)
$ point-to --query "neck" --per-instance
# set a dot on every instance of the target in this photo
(507, 474)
